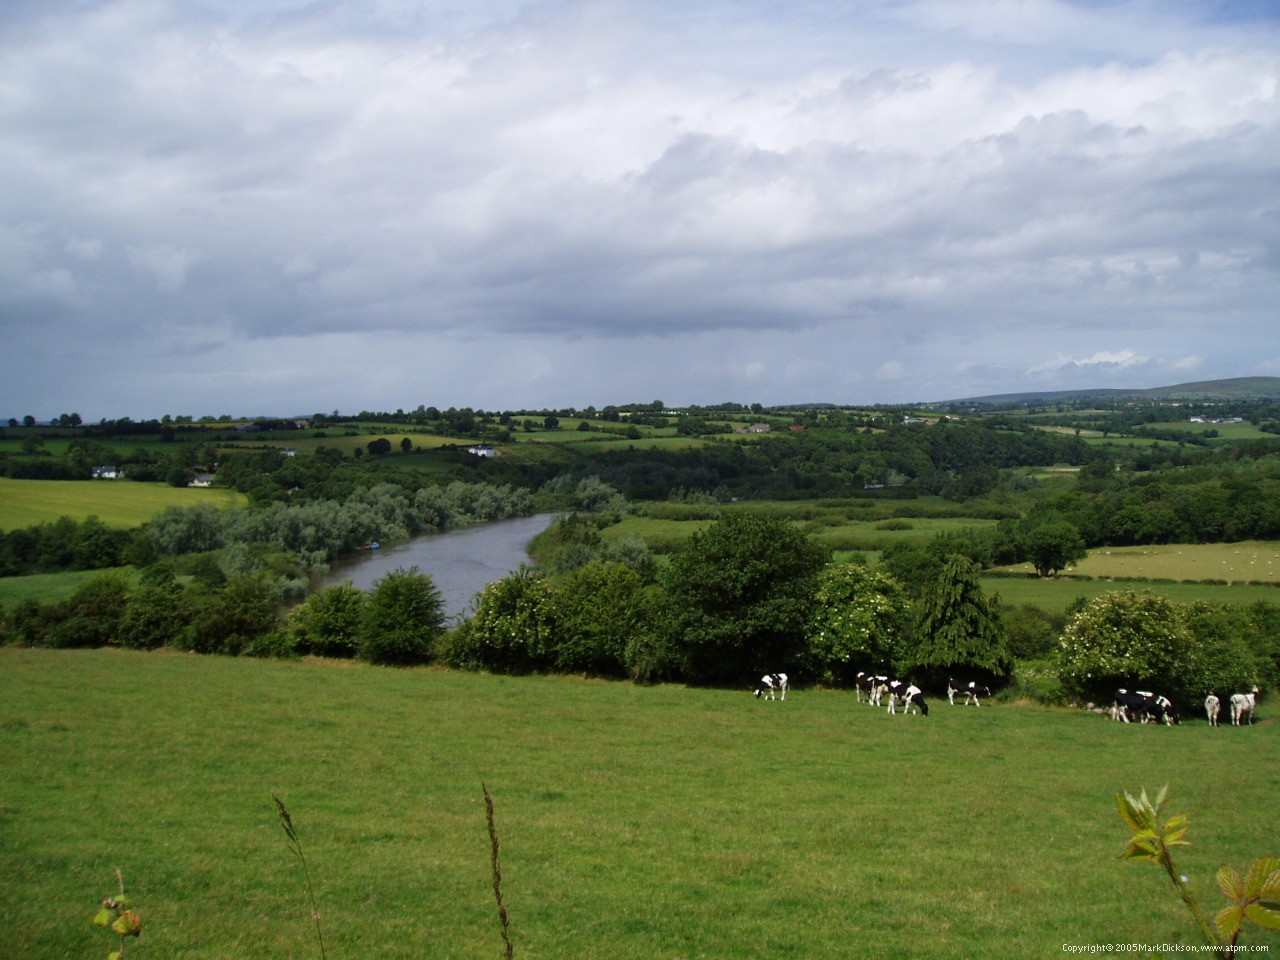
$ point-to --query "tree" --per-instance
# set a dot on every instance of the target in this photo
(379, 447)
(406, 445)
(605, 608)
(93, 615)
(156, 616)
(959, 628)
(860, 622)
(229, 618)
(402, 619)
(1052, 546)
(740, 595)
(515, 626)
(328, 624)
(1124, 639)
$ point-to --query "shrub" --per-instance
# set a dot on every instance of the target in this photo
(514, 627)
(402, 618)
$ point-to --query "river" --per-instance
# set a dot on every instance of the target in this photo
(461, 562)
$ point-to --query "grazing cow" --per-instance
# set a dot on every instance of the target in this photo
(971, 690)
(1242, 705)
(770, 684)
(910, 696)
(879, 687)
(863, 682)
(1145, 706)
(1212, 706)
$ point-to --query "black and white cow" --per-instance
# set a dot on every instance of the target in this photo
(1242, 706)
(863, 683)
(1144, 706)
(1212, 707)
(909, 695)
(879, 687)
(971, 690)
(770, 684)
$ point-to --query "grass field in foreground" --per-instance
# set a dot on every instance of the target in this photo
(636, 822)
(117, 503)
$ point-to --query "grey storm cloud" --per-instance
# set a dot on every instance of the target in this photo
(298, 206)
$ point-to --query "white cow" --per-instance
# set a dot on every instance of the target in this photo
(1212, 707)
(1242, 705)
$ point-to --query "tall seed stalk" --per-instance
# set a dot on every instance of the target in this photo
(496, 867)
(295, 845)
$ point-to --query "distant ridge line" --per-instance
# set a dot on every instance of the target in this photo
(1237, 388)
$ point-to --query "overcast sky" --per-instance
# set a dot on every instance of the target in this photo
(279, 207)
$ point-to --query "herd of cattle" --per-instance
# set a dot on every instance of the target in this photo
(1130, 706)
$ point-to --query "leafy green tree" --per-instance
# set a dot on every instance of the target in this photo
(379, 447)
(861, 619)
(157, 616)
(227, 619)
(959, 629)
(603, 608)
(1225, 657)
(1125, 639)
(740, 596)
(515, 626)
(403, 618)
(328, 623)
(1053, 546)
(92, 616)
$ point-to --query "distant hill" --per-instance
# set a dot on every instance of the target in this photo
(1238, 388)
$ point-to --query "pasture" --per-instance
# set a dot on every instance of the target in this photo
(117, 503)
(1058, 593)
(1242, 562)
(636, 822)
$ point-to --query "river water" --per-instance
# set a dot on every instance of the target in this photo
(460, 562)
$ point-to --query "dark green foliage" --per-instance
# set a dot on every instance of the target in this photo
(61, 545)
(861, 621)
(93, 615)
(402, 619)
(328, 623)
(740, 596)
(156, 616)
(1052, 546)
(605, 608)
(1031, 633)
(959, 629)
(228, 618)
(1130, 640)
(515, 628)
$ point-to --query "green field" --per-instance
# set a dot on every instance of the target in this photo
(1057, 594)
(117, 503)
(1242, 562)
(636, 822)
(50, 587)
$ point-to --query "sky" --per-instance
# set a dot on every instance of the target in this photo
(277, 207)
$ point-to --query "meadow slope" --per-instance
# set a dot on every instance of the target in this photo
(636, 822)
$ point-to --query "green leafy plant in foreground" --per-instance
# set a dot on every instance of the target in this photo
(1255, 898)
(117, 914)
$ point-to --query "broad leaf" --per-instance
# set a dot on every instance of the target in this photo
(1264, 878)
(1228, 922)
(1141, 848)
(1263, 916)
(1229, 883)
(128, 924)
(102, 918)
(1128, 810)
